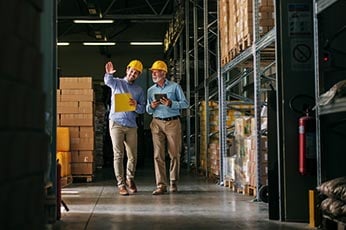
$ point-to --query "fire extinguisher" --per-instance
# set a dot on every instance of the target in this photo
(307, 145)
(307, 136)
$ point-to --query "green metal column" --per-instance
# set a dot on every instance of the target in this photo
(48, 49)
(295, 71)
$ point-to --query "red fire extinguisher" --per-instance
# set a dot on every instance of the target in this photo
(307, 145)
(307, 134)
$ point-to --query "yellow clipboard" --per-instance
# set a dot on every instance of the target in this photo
(121, 102)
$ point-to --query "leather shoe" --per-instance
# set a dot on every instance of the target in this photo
(173, 187)
(132, 186)
(160, 190)
(123, 191)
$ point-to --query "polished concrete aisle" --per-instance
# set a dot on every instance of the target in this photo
(199, 204)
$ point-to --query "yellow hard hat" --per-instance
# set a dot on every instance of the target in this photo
(159, 65)
(136, 64)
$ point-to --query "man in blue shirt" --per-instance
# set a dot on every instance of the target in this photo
(165, 100)
(122, 125)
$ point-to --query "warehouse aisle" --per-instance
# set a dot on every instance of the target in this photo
(198, 205)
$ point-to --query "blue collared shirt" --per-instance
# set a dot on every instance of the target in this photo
(121, 85)
(174, 93)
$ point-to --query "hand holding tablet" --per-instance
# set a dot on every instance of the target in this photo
(158, 96)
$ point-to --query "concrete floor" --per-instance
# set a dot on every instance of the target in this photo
(199, 204)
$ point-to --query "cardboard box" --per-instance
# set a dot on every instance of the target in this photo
(67, 107)
(75, 83)
(82, 131)
(85, 107)
(84, 119)
(86, 132)
(82, 156)
(58, 95)
(77, 95)
(82, 168)
(82, 143)
(74, 131)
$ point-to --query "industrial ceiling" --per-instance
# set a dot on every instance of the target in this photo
(134, 20)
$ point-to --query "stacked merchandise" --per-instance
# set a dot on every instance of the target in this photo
(214, 157)
(253, 167)
(333, 200)
(210, 158)
(203, 158)
(246, 165)
(236, 25)
(75, 110)
(63, 154)
(213, 153)
(242, 133)
(225, 34)
(234, 112)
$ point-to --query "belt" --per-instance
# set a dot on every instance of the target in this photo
(167, 118)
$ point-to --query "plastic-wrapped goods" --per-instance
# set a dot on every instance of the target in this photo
(333, 207)
(338, 90)
(340, 192)
(335, 188)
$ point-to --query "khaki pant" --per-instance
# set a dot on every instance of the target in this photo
(123, 136)
(166, 132)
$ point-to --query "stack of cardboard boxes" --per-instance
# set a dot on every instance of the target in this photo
(75, 110)
(204, 159)
(246, 163)
(236, 25)
(210, 157)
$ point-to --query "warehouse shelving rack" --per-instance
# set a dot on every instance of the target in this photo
(200, 55)
(330, 118)
(259, 44)
(202, 47)
(199, 48)
(339, 105)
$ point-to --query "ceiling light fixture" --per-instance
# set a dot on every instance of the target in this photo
(63, 43)
(99, 43)
(146, 43)
(93, 21)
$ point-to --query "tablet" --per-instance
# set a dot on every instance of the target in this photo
(158, 96)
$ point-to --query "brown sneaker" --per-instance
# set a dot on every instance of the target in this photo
(160, 190)
(173, 187)
(123, 191)
(132, 186)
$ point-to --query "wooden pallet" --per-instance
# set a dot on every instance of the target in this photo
(230, 184)
(251, 190)
(245, 190)
(66, 180)
(227, 182)
(225, 60)
(83, 178)
(232, 53)
(244, 43)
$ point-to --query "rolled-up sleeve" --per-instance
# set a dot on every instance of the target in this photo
(181, 101)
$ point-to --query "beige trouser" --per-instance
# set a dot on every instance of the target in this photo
(121, 136)
(166, 132)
